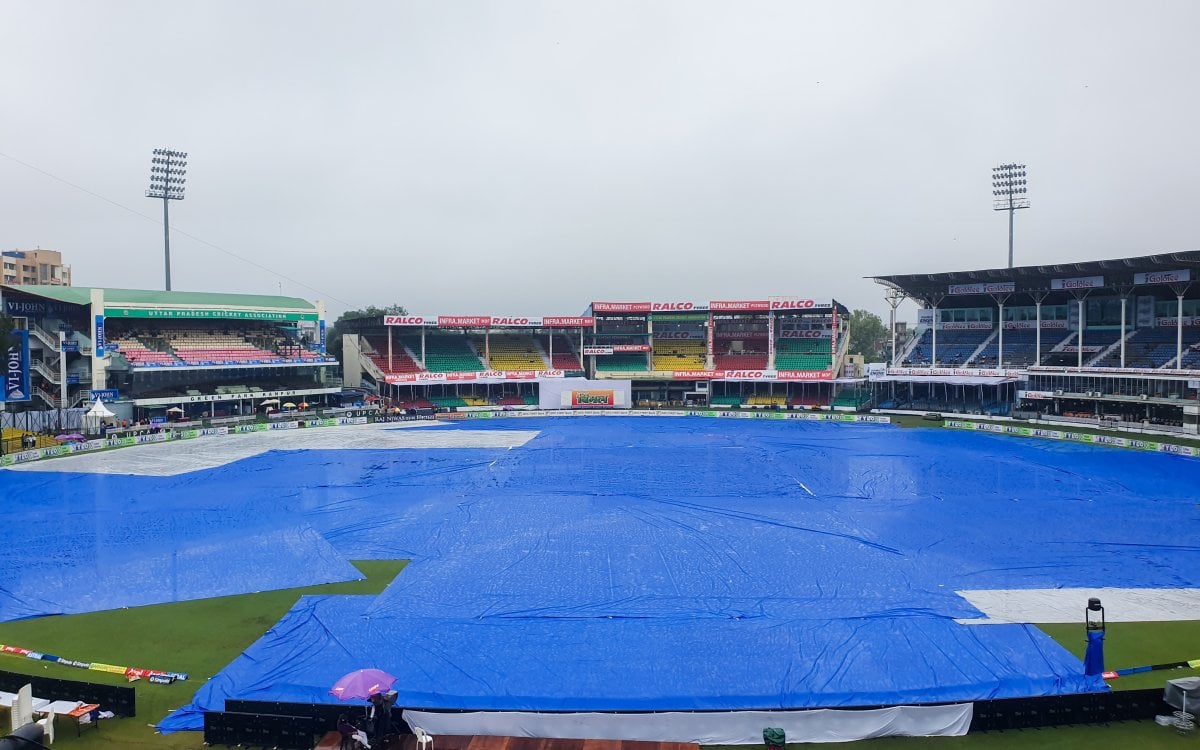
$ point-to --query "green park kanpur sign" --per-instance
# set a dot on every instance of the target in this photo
(183, 312)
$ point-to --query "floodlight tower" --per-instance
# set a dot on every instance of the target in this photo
(1008, 194)
(167, 172)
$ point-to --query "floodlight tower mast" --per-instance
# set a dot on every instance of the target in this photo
(1008, 194)
(167, 172)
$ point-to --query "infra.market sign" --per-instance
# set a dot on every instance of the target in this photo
(183, 313)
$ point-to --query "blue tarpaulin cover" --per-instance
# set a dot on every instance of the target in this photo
(659, 564)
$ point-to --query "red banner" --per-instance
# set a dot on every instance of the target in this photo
(464, 321)
(563, 322)
(631, 347)
(620, 307)
(804, 375)
(754, 305)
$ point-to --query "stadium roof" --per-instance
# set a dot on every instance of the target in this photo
(78, 295)
(1116, 274)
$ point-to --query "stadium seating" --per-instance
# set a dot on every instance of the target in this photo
(626, 362)
(741, 361)
(777, 399)
(564, 358)
(803, 354)
(1145, 347)
(853, 398)
(446, 353)
(138, 354)
(954, 347)
(679, 354)
(1020, 347)
(401, 361)
(511, 352)
(1191, 359)
(726, 401)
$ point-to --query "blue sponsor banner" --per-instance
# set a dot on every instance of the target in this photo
(72, 380)
(70, 345)
(16, 368)
(104, 394)
(99, 335)
(321, 325)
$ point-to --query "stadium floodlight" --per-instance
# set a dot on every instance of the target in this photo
(167, 182)
(1009, 194)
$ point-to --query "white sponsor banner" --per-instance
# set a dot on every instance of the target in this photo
(796, 303)
(409, 320)
(515, 322)
(991, 287)
(804, 334)
(1185, 320)
(876, 370)
(1162, 277)
(597, 350)
(925, 317)
(487, 376)
(665, 335)
(1035, 394)
(1081, 282)
(968, 325)
(1019, 325)
(578, 393)
(956, 371)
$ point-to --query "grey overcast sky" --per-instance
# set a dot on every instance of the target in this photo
(529, 157)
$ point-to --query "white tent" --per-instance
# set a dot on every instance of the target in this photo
(99, 411)
(96, 416)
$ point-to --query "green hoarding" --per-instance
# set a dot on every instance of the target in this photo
(186, 313)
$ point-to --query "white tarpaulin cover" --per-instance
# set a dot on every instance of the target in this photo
(710, 728)
(1066, 605)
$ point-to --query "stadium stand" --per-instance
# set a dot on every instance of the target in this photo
(954, 347)
(195, 347)
(511, 352)
(625, 362)
(726, 401)
(741, 361)
(446, 353)
(679, 354)
(764, 399)
(138, 354)
(401, 362)
(803, 354)
(854, 398)
(564, 356)
(1020, 347)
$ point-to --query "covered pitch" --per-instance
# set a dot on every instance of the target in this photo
(668, 564)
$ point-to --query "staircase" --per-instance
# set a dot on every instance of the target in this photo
(1116, 345)
(984, 345)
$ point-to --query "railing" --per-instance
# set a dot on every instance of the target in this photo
(47, 372)
(46, 397)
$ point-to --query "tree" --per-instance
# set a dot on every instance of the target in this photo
(868, 336)
(8, 324)
(346, 323)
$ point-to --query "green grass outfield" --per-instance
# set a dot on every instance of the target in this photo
(201, 637)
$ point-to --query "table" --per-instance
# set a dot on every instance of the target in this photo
(89, 711)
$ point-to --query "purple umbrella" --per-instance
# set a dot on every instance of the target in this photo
(362, 684)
